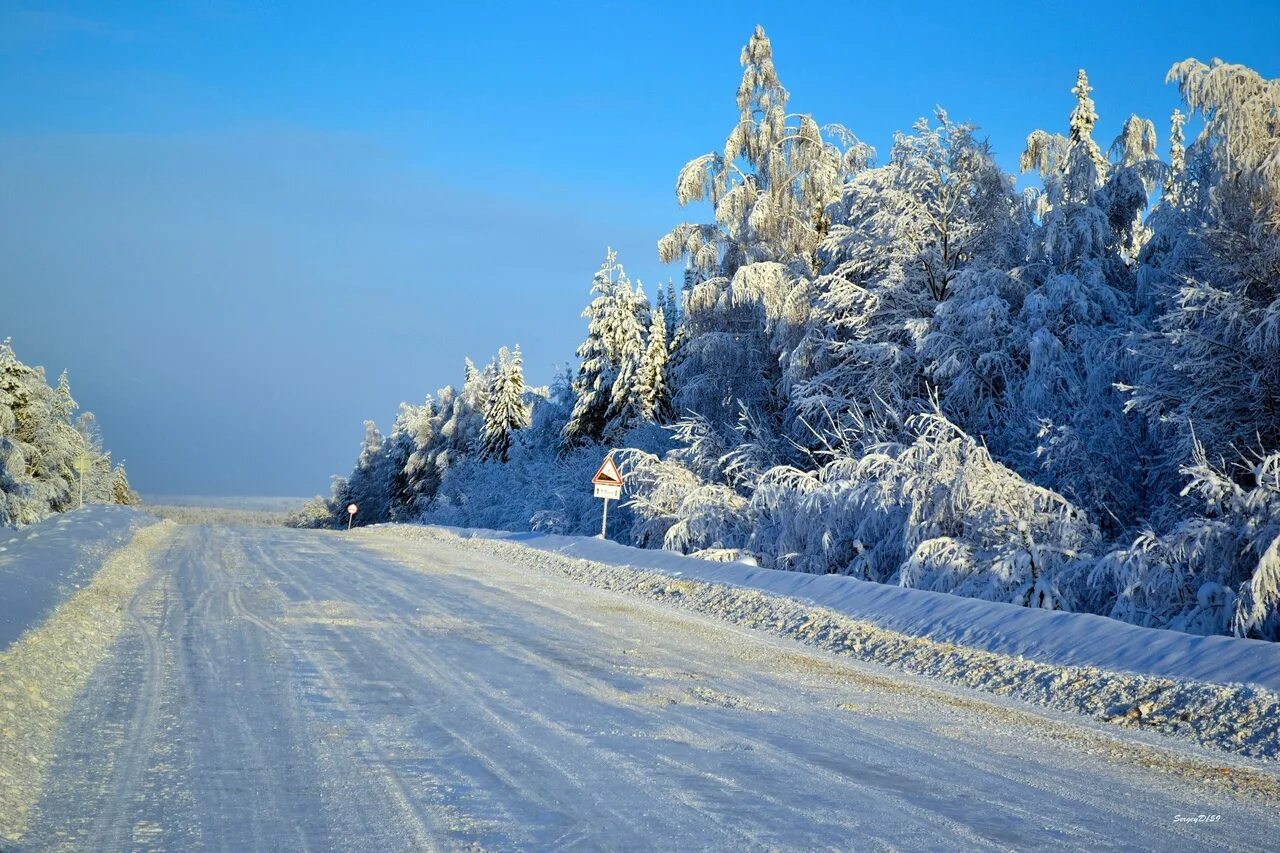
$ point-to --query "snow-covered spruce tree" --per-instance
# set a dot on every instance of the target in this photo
(606, 402)
(506, 410)
(651, 386)
(18, 504)
(463, 426)
(24, 392)
(597, 368)
(369, 485)
(1067, 428)
(628, 321)
(121, 492)
(1177, 170)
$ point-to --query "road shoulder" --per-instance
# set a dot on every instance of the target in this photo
(41, 674)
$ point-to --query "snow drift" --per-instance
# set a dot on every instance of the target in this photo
(43, 564)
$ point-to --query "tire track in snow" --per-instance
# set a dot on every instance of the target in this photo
(111, 829)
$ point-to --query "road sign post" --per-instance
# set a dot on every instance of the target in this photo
(351, 514)
(84, 462)
(608, 486)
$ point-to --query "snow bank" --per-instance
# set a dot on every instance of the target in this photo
(1069, 639)
(41, 673)
(43, 564)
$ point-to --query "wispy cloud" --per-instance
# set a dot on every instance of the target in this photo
(42, 26)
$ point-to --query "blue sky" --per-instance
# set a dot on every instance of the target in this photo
(245, 230)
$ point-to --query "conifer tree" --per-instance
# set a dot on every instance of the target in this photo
(41, 449)
(1066, 427)
(671, 311)
(506, 411)
(651, 389)
(369, 486)
(600, 389)
(629, 315)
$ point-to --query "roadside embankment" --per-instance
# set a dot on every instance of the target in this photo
(42, 565)
(41, 673)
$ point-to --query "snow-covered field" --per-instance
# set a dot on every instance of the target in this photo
(251, 503)
(205, 509)
(405, 689)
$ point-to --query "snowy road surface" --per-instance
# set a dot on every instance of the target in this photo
(282, 690)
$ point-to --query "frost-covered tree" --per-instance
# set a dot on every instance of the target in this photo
(685, 501)
(411, 425)
(903, 235)
(1135, 172)
(606, 402)
(1067, 428)
(935, 512)
(1177, 170)
(651, 386)
(1215, 572)
(506, 411)
(748, 280)
(46, 457)
(628, 321)
(597, 367)
(422, 471)
(369, 485)
(1211, 375)
(771, 184)
(121, 492)
(912, 374)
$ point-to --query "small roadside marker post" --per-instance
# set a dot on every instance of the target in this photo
(351, 514)
(608, 483)
(84, 463)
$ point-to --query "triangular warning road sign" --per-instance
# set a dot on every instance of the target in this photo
(608, 475)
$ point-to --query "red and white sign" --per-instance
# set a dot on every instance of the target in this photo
(608, 475)
(351, 510)
(608, 481)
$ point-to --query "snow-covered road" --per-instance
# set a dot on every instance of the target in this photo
(281, 689)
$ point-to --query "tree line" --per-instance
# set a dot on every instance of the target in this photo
(50, 460)
(909, 372)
